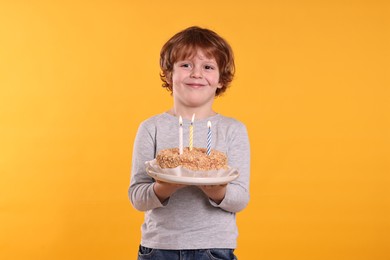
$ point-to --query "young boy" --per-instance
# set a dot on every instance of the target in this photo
(191, 221)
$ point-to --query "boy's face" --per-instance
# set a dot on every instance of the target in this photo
(195, 80)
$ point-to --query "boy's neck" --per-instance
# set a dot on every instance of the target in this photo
(187, 113)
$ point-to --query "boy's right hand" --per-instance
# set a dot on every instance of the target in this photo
(164, 190)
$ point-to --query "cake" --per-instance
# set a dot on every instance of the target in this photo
(196, 159)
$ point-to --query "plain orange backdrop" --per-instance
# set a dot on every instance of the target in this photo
(312, 86)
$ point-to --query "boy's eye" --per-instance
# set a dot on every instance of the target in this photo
(185, 65)
(208, 67)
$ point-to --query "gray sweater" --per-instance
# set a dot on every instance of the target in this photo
(188, 219)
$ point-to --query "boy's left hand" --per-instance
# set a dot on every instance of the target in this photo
(214, 192)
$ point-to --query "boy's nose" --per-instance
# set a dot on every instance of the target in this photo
(196, 73)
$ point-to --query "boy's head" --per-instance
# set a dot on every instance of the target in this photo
(186, 43)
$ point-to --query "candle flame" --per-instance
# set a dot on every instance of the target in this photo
(209, 124)
(180, 121)
(193, 118)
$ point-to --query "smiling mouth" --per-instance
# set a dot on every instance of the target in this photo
(195, 85)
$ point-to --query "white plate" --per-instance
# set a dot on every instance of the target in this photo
(184, 176)
(191, 180)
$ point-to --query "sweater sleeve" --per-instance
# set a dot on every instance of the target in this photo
(141, 193)
(237, 192)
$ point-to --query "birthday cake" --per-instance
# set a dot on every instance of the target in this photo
(195, 159)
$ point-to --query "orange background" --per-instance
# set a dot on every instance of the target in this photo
(312, 86)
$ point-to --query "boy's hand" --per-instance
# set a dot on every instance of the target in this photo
(214, 192)
(164, 190)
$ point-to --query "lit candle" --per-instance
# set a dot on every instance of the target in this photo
(192, 132)
(180, 135)
(209, 138)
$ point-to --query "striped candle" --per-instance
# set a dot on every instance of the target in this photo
(192, 132)
(209, 138)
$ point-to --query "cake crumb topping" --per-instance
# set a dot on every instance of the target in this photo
(196, 160)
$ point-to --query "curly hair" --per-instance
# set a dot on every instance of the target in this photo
(186, 43)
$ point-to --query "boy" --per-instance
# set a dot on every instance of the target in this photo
(190, 221)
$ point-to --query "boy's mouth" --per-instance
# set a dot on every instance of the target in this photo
(195, 85)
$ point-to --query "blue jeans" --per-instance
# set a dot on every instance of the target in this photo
(146, 253)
